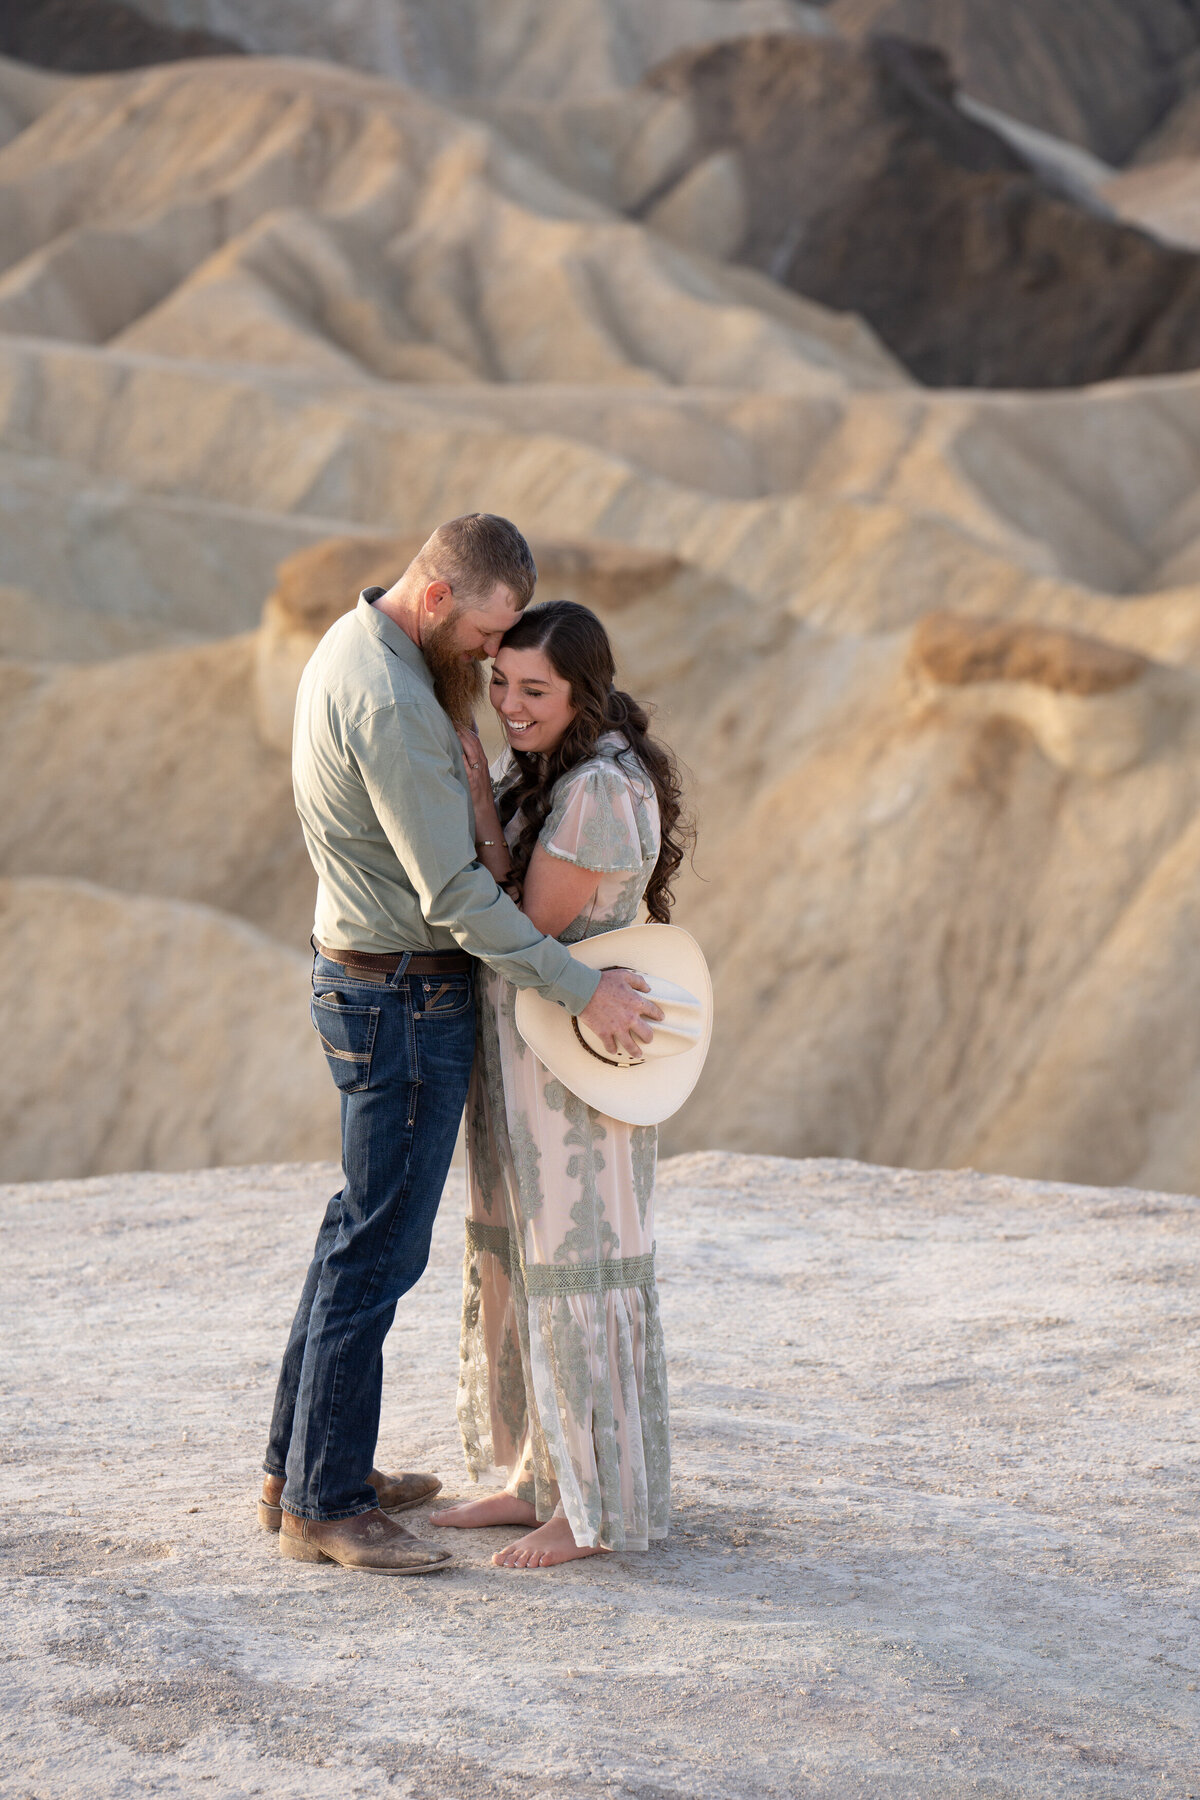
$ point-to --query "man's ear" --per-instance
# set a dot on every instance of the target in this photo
(434, 594)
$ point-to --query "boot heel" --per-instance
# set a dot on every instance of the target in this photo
(300, 1550)
(269, 1517)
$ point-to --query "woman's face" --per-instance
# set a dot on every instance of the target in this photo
(534, 704)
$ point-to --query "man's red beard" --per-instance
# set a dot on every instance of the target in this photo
(457, 685)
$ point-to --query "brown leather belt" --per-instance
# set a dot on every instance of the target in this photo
(425, 962)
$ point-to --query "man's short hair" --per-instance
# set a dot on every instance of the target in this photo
(475, 552)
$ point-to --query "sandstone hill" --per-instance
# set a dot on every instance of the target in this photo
(849, 175)
(931, 657)
(150, 1034)
(341, 226)
(853, 175)
(146, 774)
(978, 870)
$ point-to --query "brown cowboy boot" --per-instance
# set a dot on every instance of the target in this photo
(395, 1493)
(370, 1542)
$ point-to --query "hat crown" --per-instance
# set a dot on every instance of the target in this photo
(680, 1029)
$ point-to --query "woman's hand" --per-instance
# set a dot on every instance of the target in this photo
(478, 779)
(490, 846)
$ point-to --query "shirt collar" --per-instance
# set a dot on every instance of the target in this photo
(391, 635)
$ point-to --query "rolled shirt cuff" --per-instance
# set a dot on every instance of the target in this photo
(575, 987)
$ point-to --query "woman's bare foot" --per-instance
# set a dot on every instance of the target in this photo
(551, 1543)
(494, 1509)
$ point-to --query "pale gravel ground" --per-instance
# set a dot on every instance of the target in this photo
(935, 1528)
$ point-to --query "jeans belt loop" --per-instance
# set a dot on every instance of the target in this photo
(395, 980)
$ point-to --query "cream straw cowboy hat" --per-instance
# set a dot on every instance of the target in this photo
(649, 1090)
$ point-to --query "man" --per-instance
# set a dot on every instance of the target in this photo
(402, 907)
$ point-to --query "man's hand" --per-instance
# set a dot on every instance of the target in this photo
(619, 1013)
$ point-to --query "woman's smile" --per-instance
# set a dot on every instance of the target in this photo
(531, 699)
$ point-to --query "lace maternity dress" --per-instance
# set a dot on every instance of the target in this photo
(563, 1386)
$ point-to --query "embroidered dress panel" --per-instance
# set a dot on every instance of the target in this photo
(563, 1387)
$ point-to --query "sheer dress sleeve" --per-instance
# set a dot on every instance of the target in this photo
(596, 822)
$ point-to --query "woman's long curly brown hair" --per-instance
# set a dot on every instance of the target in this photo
(576, 645)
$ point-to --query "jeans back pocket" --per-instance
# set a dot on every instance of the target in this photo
(347, 1035)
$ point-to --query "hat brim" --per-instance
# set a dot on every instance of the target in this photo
(652, 1090)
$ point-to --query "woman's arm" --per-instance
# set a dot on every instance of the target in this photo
(555, 892)
(493, 854)
(490, 847)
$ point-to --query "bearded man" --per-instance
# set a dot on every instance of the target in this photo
(403, 905)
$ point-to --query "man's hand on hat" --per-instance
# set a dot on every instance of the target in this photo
(619, 1013)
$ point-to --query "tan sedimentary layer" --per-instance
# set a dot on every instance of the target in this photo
(147, 774)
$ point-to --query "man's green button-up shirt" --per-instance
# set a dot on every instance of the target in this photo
(381, 790)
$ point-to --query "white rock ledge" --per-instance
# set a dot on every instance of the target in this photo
(934, 1533)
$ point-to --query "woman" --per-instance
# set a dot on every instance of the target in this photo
(563, 1385)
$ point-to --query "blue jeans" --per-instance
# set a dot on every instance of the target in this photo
(400, 1049)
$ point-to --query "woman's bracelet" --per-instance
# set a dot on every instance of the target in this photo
(487, 843)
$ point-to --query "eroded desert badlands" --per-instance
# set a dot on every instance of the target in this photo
(845, 358)
(931, 651)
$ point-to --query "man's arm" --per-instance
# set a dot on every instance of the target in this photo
(421, 801)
